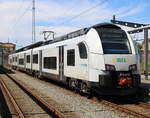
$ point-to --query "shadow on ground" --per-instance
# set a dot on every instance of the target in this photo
(4, 70)
(4, 110)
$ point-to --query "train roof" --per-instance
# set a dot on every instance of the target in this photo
(30, 46)
(68, 36)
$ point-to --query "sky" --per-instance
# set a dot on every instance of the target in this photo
(64, 16)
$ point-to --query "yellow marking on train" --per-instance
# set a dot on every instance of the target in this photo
(114, 60)
(120, 60)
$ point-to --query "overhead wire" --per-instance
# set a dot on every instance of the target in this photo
(71, 7)
(74, 17)
(81, 13)
(19, 8)
(19, 18)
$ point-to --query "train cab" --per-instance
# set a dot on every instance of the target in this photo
(113, 59)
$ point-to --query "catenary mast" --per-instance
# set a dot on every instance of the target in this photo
(33, 22)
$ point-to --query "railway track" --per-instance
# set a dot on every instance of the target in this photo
(144, 105)
(130, 106)
(139, 109)
(74, 104)
(128, 109)
(14, 90)
(136, 110)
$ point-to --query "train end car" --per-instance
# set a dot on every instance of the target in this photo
(102, 58)
(113, 60)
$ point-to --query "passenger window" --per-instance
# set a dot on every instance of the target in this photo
(82, 51)
(50, 63)
(16, 59)
(71, 57)
(21, 61)
(35, 58)
(28, 58)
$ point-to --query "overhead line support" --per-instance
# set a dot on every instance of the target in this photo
(146, 53)
(33, 22)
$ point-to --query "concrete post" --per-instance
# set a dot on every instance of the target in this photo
(146, 53)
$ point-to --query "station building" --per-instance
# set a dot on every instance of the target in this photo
(5, 50)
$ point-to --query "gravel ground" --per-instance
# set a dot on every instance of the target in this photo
(138, 109)
(29, 108)
(74, 103)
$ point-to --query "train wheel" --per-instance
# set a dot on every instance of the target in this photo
(37, 75)
(72, 84)
(77, 89)
(34, 74)
(83, 88)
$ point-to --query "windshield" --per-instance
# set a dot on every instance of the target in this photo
(114, 41)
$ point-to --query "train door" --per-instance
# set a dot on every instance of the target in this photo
(31, 59)
(40, 61)
(25, 60)
(61, 62)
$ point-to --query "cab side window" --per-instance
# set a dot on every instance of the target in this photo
(82, 50)
(71, 57)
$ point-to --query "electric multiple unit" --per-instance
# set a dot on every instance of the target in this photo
(102, 57)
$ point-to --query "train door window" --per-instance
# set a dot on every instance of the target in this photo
(71, 57)
(35, 58)
(50, 63)
(21, 61)
(15, 59)
(28, 58)
(82, 50)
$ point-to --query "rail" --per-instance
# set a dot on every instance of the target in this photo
(40, 100)
(14, 103)
(105, 102)
(126, 110)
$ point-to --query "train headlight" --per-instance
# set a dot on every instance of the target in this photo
(133, 67)
(110, 67)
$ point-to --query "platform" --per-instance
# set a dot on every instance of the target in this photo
(143, 78)
(145, 88)
(145, 83)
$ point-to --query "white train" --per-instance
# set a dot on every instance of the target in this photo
(102, 57)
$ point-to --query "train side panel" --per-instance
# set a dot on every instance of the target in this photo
(35, 60)
(21, 61)
(29, 60)
(50, 62)
(96, 57)
(74, 66)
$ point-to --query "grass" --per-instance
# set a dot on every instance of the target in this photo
(142, 68)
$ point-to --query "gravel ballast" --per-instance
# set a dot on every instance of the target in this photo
(73, 103)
